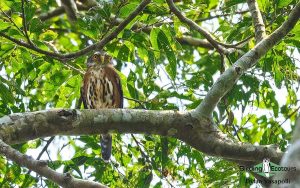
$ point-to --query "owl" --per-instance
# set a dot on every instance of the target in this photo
(102, 88)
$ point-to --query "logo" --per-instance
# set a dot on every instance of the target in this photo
(267, 168)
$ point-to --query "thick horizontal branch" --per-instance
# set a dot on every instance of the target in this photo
(200, 134)
(226, 81)
(41, 168)
(33, 125)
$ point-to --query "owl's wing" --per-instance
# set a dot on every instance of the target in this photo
(120, 90)
(113, 76)
(83, 89)
(82, 97)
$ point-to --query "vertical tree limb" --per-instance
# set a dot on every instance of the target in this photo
(291, 160)
(259, 26)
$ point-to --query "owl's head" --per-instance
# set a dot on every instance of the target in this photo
(99, 58)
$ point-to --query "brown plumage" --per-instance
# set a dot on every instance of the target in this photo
(102, 89)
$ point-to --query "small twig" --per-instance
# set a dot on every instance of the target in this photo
(290, 115)
(25, 24)
(111, 20)
(185, 40)
(11, 20)
(148, 27)
(47, 53)
(194, 42)
(220, 15)
(117, 168)
(45, 147)
(144, 155)
(195, 26)
(137, 101)
(237, 44)
(63, 146)
(148, 159)
(97, 46)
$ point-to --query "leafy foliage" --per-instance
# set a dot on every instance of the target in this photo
(157, 70)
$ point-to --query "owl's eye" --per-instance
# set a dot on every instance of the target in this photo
(107, 58)
(94, 57)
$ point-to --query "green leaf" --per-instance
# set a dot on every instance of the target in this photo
(166, 47)
(127, 9)
(263, 4)
(278, 75)
(132, 91)
(6, 94)
(48, 35)
(144, 178)
(6, 50)
(124, 53)
(230, 3)
(30, 9)
(36, 26)
(153, 38)
(4, 25)
(105, 12)
(283, 3)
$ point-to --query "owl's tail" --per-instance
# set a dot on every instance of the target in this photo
(106, 142)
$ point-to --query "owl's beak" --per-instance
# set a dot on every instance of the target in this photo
(102, 58)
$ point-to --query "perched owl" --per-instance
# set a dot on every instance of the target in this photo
(102, 89)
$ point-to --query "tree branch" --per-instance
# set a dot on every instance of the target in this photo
(200, 134)
(11, 20)
(185, 40)
(226, 81)
(24, 22)
(40, 167)
(97, 46)
(259, 26)
(34, 48)
(221, 15)
(60, 10)
(38, 158)
(195, 26)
